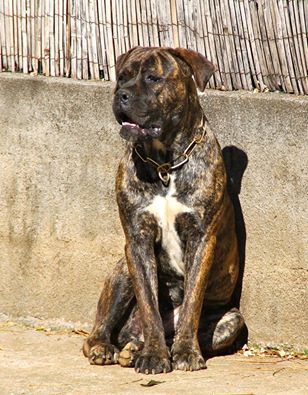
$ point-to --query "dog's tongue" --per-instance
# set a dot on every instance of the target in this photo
(134, 128)
(130, 130)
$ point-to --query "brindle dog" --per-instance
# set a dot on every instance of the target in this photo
(173, 290)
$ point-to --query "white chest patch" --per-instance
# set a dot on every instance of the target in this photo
(165, 209)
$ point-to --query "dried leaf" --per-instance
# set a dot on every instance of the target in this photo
(248, 353)
(130, 382)
(8, 323)
(285, 353)
(151, 383)
(277, 371)
(80, 332)
(41, 328)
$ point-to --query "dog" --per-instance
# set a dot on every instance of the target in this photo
(170, 299)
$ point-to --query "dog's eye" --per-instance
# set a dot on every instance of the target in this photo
(153, 78)
(121, 78)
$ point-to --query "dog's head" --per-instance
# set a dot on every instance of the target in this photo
(155, 88)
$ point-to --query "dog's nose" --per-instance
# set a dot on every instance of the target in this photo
(124, 96)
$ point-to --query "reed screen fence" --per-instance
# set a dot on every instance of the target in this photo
(255, 44)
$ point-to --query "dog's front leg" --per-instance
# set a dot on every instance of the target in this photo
(143, 270)
(113, 303)
(199, 257)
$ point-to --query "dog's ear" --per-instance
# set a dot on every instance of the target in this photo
(121, 59)
(201, 68)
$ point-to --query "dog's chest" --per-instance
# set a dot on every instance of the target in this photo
(166, 209)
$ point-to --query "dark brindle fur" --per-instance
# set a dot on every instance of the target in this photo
(175, 286)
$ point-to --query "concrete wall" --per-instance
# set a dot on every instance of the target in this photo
(59, 227)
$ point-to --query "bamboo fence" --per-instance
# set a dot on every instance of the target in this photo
(255, 44)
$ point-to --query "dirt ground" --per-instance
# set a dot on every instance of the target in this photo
(35, 361)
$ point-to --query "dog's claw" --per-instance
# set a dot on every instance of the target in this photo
(103, 354)
(188, 361)
(152, 363)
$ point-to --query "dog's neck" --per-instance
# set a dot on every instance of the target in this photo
(175, 140)
(148, 152)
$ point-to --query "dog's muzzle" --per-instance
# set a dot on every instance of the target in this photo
(131, 128)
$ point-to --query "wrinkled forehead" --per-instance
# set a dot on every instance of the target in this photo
(152, 59)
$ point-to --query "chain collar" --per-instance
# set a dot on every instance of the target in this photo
(164, 169)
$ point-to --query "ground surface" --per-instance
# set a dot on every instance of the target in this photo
(33, 361)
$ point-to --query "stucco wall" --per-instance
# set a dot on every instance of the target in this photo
(59, 228)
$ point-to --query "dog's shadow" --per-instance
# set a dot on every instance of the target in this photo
(236, 162)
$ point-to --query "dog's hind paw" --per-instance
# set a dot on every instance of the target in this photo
(130, 353)
(188, 361)
(227, 329)
(103, 354)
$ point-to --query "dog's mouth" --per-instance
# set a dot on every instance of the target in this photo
(132, 130)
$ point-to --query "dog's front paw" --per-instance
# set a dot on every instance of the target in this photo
(187, 359)
(101, 353)
(153, 363)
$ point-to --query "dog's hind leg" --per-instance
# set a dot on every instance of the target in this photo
(130, 339)
(222, 333)
(114, 302)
